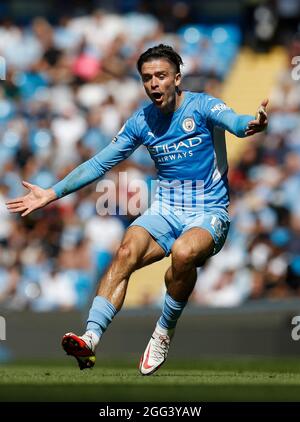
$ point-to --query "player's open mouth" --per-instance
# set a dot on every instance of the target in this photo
(158, 97)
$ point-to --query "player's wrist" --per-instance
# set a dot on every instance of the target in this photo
(51, 195)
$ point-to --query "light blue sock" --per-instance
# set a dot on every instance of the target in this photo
(171, 312)
(100, 316)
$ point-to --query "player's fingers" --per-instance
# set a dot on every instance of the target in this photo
(262, 116)
(259, 126)
(254, 129)
(265, 102)
(262, 112)
(20, 209)
(13, 206)
(27, 184)
(253, 123)
(14, 201)
(256, 123)
(26, 212)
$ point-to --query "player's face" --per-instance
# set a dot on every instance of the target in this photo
(160, 82)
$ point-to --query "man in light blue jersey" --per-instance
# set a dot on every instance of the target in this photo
(184, 133)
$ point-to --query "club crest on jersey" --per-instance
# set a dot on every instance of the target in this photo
(188, 124)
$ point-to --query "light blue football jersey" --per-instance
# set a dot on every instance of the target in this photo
(187, 146)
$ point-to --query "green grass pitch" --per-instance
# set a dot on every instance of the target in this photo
(203, 380)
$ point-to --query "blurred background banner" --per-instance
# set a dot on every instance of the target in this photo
(69, 82)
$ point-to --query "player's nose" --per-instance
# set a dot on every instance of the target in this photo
(154, 82)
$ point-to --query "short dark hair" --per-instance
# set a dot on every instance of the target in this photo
(160, 51)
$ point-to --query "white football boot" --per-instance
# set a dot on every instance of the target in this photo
(156, 351)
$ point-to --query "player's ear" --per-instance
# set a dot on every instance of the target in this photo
(177, 79)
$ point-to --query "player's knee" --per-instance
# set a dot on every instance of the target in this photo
(126, 254)
(183, 255)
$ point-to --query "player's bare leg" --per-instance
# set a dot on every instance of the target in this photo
(137, 250)
(188, 252)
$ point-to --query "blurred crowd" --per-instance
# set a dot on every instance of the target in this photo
(69, 88)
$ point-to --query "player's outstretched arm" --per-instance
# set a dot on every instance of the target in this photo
(36, 198)
(81, 176)
(240, 125)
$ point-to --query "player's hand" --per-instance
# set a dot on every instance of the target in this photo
(36, 198)
(261, 120)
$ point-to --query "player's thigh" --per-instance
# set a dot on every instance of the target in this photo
(193, 247)
(213, 228)
(142, 246)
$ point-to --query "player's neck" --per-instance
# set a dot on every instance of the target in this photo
(178, 99)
